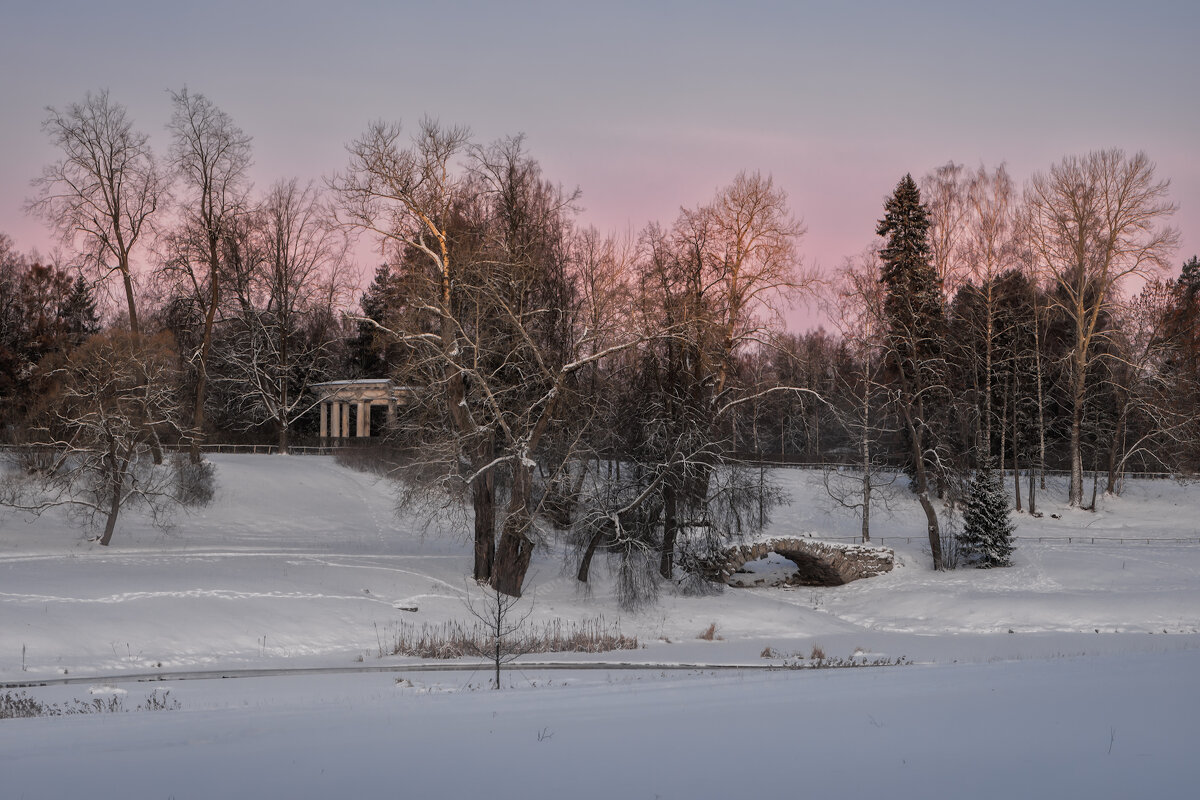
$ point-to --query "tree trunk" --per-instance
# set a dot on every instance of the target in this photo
(1075, 494)
(931, 524)
(1003, 435)
(1016, 465)
(515, 548)
(285, 368)
(865, 449)
(1016, 481)
(110, 523)
(114, 508)
(866, 515)
(496, 654)
(666, 563)
(585, 563)
(1032, 493)
(117, 468)
(512, 558)
(987, 386)
(202, 367)
(1114, 452)
(127, 280)
(918, 453)
(483, 500)
(1037, 376)
(156, 453)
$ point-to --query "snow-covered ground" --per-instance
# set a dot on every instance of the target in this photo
(1071, 673)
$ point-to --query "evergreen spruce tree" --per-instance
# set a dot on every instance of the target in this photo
(78, 312)
(373, 354)
(914, 308)
(914, 303)
(987, 535)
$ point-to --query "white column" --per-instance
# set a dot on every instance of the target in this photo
(365, 410)
(346, 420)
(324, 420)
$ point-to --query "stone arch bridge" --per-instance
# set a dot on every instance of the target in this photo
(817, 563)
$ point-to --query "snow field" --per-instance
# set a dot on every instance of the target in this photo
(302, 563)
(1116, 727)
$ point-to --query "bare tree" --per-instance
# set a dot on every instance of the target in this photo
(746, 240)
(95, 434)
(490, 317)
(945, 192)
(1028, 266)
(102, 194)
(211, 157)
(290, 280)
(406, 197)
(858, 311)
(1095, 221)
(1151, 425)
(707, 289)
(989, 249)
(501, 620)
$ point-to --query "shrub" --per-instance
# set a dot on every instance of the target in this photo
(195, 484)
(452, 640)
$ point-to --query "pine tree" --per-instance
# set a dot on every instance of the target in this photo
(987, 535)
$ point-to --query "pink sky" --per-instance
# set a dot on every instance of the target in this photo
(646, 107)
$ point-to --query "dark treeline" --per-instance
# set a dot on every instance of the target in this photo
(618, 391)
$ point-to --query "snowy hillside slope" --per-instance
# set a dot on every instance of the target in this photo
(302, 562)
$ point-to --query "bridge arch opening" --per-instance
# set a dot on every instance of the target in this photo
(780, 567)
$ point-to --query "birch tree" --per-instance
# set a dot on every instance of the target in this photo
(989, 250)
(864, 398)
(1096, 222)
(945, 194)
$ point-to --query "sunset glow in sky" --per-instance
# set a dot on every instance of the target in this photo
(645, 107)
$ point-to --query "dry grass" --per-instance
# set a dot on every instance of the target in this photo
(20, 705)
(452, 640)
(372, 458)
(710, 633)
